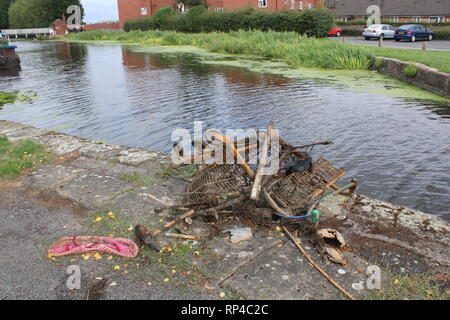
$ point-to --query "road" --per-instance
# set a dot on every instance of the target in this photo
(439, 45)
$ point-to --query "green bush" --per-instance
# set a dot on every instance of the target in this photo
(442, 34)
(313, 22)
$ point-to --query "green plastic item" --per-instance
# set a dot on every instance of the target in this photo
(315, 216)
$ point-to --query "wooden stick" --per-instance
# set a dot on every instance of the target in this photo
(158, 200)
(226, 204)
(239, 158)
(170, 224)
(256, 189)
(183, 236)
(315, 265)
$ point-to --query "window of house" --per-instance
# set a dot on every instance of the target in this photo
(262, 3)
(144, 11)
(300, 5)
(309, 5)
(285, 1)
(218, 9)
(292, 4)
(436, 19)
(393, 19)
(416, 19)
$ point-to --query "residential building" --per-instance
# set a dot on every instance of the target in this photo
(131, 9)
(393, 10)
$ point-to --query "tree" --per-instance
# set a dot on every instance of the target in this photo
(38, 13)
(4, 6)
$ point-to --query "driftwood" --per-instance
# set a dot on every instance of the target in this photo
(183, 236)
(257, 183)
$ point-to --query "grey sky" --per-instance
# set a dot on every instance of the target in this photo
(100, 10)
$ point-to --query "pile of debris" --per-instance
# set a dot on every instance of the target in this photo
(294, 192)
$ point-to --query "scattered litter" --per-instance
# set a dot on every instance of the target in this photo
(330, 241)
(85, 244)
(240, 234)
(341, 271)
(358, 286)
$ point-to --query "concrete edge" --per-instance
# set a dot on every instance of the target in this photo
(426, 77)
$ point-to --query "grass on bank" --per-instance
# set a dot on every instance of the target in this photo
(286, 46)
(19, 155)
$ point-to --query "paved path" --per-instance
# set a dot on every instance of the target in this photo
(439, 45)
(87, 179)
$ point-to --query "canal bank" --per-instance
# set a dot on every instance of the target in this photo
(74, 193)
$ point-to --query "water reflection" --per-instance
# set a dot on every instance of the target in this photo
(397, 148)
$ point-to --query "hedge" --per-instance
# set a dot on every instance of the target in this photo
(311, 22)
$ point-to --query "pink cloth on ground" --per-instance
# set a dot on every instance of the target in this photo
(83, 244)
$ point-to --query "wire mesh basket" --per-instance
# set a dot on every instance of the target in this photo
(295, 193)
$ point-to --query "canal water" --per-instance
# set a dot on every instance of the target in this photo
(398, 148)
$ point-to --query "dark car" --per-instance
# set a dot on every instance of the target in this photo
(413, 32)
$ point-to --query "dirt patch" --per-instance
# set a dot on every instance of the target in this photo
(52, 200)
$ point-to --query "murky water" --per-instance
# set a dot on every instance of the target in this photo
(397, 148)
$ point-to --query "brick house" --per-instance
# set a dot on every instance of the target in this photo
(393, 10)
(131, 9)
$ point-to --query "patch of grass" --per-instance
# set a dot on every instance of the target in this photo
(426, 286)
(16, 156)
(378, 63)
(184, 172)
(142, 180)
(436, 59)
(410, 71)
(105, 222)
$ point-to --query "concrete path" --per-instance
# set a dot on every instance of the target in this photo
(86, 180)
(438, 45)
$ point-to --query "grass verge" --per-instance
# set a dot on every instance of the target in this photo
(16, 156)
(425, 286)
(436, 59)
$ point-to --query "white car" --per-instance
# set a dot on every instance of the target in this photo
(379, 31)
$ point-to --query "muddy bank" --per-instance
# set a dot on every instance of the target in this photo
(89, 178)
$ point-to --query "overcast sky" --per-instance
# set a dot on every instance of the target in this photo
(100, 10)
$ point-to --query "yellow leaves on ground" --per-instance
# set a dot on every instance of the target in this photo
(98, 219)
(111, 215)
(97, 256)
(116, 268)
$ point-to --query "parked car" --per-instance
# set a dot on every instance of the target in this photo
(335, 31)
(413, 32)
(379, 31)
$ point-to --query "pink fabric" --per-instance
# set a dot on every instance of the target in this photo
(83, 244)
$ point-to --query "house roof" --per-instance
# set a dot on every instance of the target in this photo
(392, 7)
